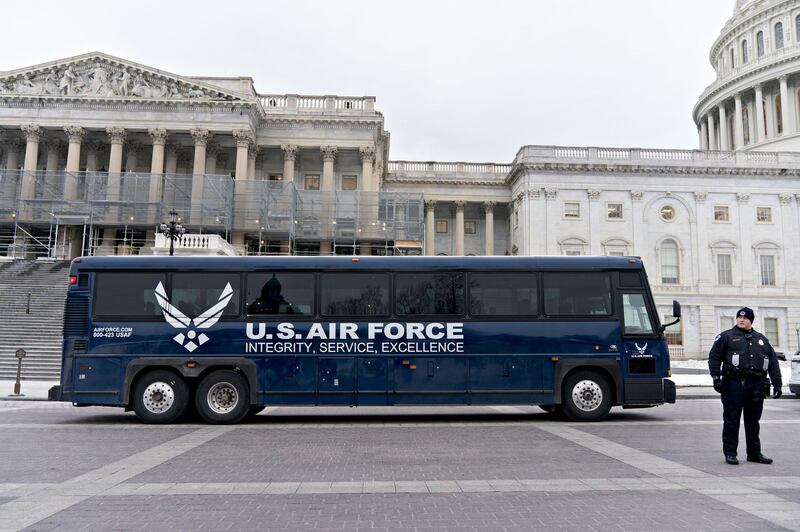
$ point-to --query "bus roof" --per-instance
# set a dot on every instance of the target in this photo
(554, 262)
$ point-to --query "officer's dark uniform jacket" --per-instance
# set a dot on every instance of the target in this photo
(738, 353)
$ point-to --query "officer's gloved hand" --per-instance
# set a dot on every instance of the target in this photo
(778, 393)
(719, 384)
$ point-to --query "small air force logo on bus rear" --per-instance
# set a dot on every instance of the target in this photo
(179, 320)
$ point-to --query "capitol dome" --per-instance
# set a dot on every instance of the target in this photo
(754, 102)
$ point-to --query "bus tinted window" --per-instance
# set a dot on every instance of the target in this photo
(429, 293)
(502, 294)
(355, 294)
(280, 293)
(577, 294)
(194, 293)
(127, 294)
(632, 279)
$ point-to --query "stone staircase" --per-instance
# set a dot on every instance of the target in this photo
(40, 331)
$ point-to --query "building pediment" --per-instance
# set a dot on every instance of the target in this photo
(104, 77)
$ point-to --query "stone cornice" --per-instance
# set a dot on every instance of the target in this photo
(391, 178)
(577, 168)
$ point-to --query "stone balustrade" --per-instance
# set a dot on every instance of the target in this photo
(192, 244)
(303, 104)
(447, 168)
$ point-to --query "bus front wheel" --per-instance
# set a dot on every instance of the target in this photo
(586, 396)
(222, 397)
(160, 396)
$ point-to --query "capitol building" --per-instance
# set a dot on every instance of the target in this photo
(96, 151)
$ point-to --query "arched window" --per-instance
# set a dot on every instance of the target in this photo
(797, 28)
(745, 58)
(760, 44)
(778, 35)
(778, 115)
(669, 262)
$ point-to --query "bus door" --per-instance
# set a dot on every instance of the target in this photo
(642, 349)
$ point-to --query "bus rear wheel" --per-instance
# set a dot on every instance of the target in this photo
(222, 398)
(586, 396)
(160, 396)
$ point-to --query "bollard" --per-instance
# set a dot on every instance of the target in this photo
(20, 354)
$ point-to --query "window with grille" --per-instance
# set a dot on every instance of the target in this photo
(744, 52)
(760, 44)
(771, 331)
(673, 333)
(764, 214)
(572, 209)
(614, 211)
(311, 182)
(441, 226)
(349, 182)
(669, 262)
(767, 263)
(470, 227)
(722, 213)
(724, 269)
(778, 36)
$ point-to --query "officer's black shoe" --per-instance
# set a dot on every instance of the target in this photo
(760, 459)
(731, 459)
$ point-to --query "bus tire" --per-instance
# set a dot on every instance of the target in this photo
(586, 396)
(160, 396)
(222, 397)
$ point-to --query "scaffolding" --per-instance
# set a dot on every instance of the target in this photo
(68, 213)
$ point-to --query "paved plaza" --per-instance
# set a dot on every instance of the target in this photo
(434, 468)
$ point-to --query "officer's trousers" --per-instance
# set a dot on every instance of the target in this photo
(742, 394)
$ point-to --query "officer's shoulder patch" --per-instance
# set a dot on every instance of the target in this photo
(718, 337)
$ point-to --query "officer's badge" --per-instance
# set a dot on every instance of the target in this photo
(760, 342)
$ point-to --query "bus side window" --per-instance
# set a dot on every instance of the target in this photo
(577, 294)
(503, 294)
(637, 319)
(355, 294)
(194, 293)
(280, 293)
(127, 294)
(429, 294)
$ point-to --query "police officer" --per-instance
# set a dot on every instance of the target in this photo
(739, 362)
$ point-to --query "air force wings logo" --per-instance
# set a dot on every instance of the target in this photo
(181, 321)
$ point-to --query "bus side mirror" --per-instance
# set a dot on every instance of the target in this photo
(676, 313)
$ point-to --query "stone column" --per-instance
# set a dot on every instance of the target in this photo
(738, 122)
(488, 209)
(53, 152)
(459, 233)
(75, 136)
(723, 128)
(201, 137)
(640, 247)
(703, 135)
(159, 138)
(786, 116)
(759, 112)
(712, 133)
(33, 135)
(704, 267)
(252, 155)
(551, 217)
(116, 136)
(328, 158)
(430, 227)
(289, 156)
(244, 137)
(92, 149)
(746, 221)
(12, 155)
(367, 160)
(792, 242)
(51, 176)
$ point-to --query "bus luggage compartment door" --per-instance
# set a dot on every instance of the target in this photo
(336, 381)
(430, 380)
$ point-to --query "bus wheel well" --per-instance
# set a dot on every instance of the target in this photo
(608, 371)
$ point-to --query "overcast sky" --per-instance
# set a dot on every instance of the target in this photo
(456, 80)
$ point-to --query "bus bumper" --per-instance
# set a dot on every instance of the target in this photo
(55, 393)
(641, 392)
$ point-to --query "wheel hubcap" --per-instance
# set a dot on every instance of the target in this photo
(222, 397)
(158, 397)
(587, 395)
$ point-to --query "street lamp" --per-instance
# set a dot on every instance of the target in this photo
(173, 231)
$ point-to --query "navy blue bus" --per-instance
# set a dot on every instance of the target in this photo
(227, 336)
